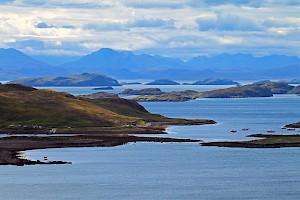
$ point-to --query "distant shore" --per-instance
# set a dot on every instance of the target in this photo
(265, 141)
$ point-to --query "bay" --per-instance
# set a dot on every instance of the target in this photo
(174, 170)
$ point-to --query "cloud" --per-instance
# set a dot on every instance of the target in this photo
(66, 3)
(146, 4)
(150, 4)
(35, 44)
(6, 1)
(130, 24)
(106, 26)
(250, 3)
(44, 25)
(156, 22)
(181, 27)
(226, 22)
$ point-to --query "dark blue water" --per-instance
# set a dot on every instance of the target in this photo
(174, 171)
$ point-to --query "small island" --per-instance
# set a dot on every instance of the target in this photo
(266, 89)
(146, 91)
(294, 125)
(213, 81)
(163, 82)
(100, 95)
(295, 90)
(89, 121)
(294, 81)
(175, 96)
(84, 79)
(104, 88)
(131, 83)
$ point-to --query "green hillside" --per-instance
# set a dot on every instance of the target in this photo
(21, 105)
(26, 106)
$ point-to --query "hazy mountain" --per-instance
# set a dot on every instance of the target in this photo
(55, 60)
(108, 61)
(242, 61)
(127, 65)
(287, 72)
(14, 63)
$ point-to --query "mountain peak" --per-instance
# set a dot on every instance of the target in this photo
(11, 52)
(106, 50)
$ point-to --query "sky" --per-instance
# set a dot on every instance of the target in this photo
(173, 28)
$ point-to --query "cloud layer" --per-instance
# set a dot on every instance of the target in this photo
(181, 28)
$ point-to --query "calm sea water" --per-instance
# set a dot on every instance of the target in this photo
(173, 170)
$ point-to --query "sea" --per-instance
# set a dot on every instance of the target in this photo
(173, 170)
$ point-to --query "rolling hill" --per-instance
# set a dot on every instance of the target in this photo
(84, 79)
(24, 107)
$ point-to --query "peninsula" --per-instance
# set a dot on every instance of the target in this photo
(265, 141)
(88, 121)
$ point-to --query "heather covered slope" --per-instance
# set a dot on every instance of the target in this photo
(26, 106)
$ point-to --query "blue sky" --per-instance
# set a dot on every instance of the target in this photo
(175, 28)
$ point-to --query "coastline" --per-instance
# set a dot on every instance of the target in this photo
(105, 137)
(264, 141)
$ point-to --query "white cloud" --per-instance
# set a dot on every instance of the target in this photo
(181, 27)
(227, 22)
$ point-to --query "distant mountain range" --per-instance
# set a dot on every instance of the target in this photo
(127, 65)
(242, 61)
(15, 64)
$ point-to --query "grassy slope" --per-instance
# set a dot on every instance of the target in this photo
(27, 106)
